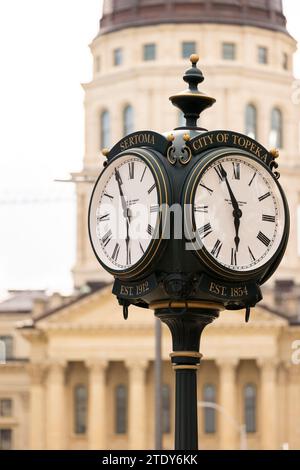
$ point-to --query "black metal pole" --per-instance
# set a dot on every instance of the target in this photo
(186, 322)
(158, 386)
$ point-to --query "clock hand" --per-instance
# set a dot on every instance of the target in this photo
(128, 257)
(119, 181)
(237, 213)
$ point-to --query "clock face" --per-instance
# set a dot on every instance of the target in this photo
(124, 214)
(238, 213)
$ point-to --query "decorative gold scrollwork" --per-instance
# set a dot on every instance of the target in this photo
(187, 155)
(171, 155)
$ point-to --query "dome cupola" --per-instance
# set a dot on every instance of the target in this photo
(120, 14)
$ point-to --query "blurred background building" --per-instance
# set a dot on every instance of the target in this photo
(76, 375)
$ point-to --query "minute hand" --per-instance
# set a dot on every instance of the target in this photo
(237, 213)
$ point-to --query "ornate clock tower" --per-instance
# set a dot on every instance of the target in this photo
(246, 54)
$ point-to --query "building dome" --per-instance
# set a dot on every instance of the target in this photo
(120, 14)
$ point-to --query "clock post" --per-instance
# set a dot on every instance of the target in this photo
(190, 223)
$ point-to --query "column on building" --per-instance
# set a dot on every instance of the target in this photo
(228, 419)
(37, 407)
(268, 404)
(293, 409)
(97, 404)
(137, 404)
(56, 407)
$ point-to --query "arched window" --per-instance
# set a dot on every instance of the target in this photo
(209, 395)
(80, 405)
(251, 121)
(166, 409)
(121, 409)
(250, 407)
(128, 120)
(276, 133)
(105, 130)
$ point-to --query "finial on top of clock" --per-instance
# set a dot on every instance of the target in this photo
(192, 101)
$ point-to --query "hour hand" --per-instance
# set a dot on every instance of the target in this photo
(120, 182)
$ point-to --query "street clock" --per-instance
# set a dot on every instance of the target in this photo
(190, 222)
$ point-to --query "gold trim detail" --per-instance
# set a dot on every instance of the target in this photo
(189, 304)
(182, 367)
(105, 152)
(186, 354)
(274, 153)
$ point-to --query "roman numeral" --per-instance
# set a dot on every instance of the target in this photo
(151, 189)
(236, 171)
(104, 218)
(150, 230)
(128, 257)
(251, 254)
(131, 170)
(107, 238)
(268, 218)
(263, 238)
(205, 230)
(203, 209)
(217, 248)
(220, 172)
(265, 196)
(252, 179)
(143, 173)
(154, 209)
(233, 257)
(208, 189)
(109, 196)
(116, 252)
(142, 249)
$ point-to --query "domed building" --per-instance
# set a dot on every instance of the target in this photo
(88, 380)
(246, 55)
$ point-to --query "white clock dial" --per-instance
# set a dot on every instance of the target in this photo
(239, 213)
(124, 214)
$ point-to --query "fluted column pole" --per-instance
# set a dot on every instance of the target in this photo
(56, 407)
(37, 407)
(137, 403)
(293, 409)
(228, 402)
(268, 405)
(97, 418)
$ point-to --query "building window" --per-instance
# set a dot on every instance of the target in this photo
(121, 409)
(149, 52)
(5, 407)
(251, 121)
(105, 129)
(128, 120)
(188, 48)
(118, 56)
(8, 343)
(262, 55)
(97, 64)
(5, 439)
(285, 61)
(166, 409)
(276, 133)
(250, 408)
(80, 405)
(209, 396)
(228, 51)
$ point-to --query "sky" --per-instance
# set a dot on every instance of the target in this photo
(44, 58)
